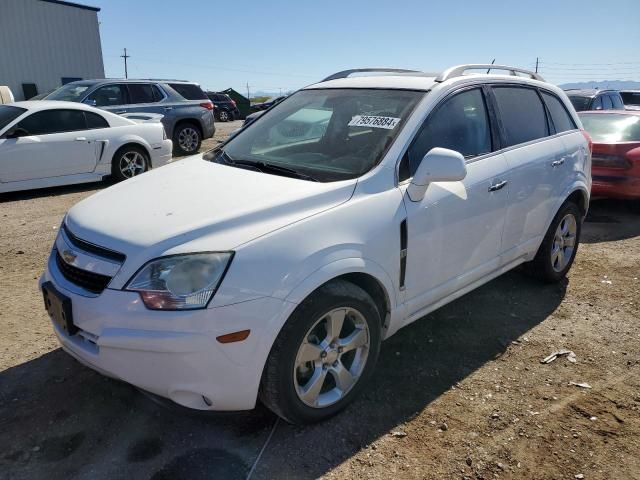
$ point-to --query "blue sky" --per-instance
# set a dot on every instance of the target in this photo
(276, 44)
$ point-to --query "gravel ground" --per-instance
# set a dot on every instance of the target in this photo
(459, 394)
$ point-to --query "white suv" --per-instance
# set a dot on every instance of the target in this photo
(274, 265)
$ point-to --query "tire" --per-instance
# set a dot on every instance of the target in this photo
(129, 161)
(547, 265)
(225, 116)
(187, 139)
(287, 376)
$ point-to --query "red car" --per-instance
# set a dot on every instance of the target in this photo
(615, 166)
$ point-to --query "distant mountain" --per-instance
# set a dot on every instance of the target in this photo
(613, 84)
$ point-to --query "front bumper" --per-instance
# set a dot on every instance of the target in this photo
(171, 354)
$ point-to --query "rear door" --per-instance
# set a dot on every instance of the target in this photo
(145, 97)
(531, 153)
(58, 145)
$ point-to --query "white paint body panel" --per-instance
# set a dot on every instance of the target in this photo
(40, 161)
(290, 236)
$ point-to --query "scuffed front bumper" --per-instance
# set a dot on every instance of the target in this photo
(172, 354)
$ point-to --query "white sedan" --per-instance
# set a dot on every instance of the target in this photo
(51, 143)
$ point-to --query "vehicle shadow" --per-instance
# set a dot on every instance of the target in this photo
(62, 420)
(611, 220)
(416, 366)
(52, 191)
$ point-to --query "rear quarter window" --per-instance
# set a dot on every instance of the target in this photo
(521, 113)
(561, 119)
(189, 91)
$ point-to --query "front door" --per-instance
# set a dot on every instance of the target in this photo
(56, 145)
(455, 232)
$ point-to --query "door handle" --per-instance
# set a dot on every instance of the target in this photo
(81, 139)
(120, 112)
(497, 186)
(557, 163)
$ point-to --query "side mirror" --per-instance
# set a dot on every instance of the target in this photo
(90, 102)
(438, 165)
(17, 133)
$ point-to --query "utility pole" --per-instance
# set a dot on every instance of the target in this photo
(125, 56)
(537, 59)
(248, 93)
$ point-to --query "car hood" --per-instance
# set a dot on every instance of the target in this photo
(195, 205)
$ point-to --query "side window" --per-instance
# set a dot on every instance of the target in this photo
(54, 121)
(522, 114)
(157, 93)
(95, 121)
(597, 104)
(606, 102)
(461, 123)
(562, 121)
(110, 95)
(189, 91)
(140, 93)
(617, 102)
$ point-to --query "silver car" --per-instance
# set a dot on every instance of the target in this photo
(187, 111)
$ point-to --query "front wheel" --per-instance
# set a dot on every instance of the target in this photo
(559, 246)
(324, 354)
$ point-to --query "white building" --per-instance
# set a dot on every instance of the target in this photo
(46, 43)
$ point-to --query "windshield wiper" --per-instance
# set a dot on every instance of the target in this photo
(265, 167)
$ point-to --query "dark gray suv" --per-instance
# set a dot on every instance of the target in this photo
(188, 112)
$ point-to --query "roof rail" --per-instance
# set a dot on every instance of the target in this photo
(346, 73)
(459, 70)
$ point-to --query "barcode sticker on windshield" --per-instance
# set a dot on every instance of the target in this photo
(374, 121)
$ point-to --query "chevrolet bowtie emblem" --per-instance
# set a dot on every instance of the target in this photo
(69, 256)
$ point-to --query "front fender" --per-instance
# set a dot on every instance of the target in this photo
(351, 265)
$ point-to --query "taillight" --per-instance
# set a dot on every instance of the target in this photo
(233, 102)
(609, 161)
(589, 139)
(208, 105)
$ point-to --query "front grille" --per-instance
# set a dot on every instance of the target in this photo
(92, 282)
(90, 247)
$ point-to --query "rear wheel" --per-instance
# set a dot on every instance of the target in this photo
(224, 116)
(187, 139)
(559, 246)
(324, 354)
(129, 162)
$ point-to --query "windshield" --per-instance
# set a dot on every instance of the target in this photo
(329, 135)
(9, 114)
(71, 92)
(580, 103)
(612, 127)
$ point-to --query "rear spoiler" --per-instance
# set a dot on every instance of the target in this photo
(143, 117)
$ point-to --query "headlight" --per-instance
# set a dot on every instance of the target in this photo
(180, 282)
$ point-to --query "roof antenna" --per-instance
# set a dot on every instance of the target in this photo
(492, 62)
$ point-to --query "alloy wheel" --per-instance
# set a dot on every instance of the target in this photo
(224, 116)
(132, 164)
(188, 139)
(332, 357)
(564, 242)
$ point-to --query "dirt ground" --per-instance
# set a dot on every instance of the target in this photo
(458, 394)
